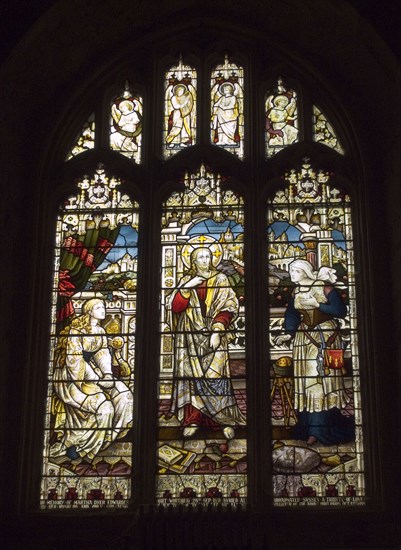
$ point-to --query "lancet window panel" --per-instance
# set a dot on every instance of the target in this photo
(87, 452)
(202, 447)
(315, 397)
(227, 107)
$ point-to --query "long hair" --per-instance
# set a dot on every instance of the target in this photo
(83, 321)
(192, 271)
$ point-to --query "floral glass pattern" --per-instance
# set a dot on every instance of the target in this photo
(315, 379)
(126, 124)
(202, 448)
(227, 107)
(281, 119)
(85, 139)
(87, 456)
(323, 131)
(179, 109)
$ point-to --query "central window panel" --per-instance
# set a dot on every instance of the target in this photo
(202, 448)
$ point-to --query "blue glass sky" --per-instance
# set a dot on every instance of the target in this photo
(294, 234)
(215, 229)
(126, 242)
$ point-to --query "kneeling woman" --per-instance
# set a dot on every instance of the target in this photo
(92, 408)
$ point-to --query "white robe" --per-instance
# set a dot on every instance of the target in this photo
(90, 413)
(202, 375)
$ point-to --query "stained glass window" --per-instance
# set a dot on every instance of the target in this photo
(85, 139)
(323, 131)
(179, 109)
(227, 107)
(281, 119)
(202, 449)
(87, 457)
(126, 124)
(315, 379)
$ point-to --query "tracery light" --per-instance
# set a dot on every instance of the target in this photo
(281, 118)
(180, 105)
(85, 140)
(323, 131)
(126, 124)
(227, 107)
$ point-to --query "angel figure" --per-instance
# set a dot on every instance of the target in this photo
(180, 102)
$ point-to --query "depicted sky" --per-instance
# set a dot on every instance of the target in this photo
(126, 242)
(294, 234)
(215, 229)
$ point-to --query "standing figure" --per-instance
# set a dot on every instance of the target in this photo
(310, 319)
(92, 408)
(203, 308)
(225, 116)
(180, 122)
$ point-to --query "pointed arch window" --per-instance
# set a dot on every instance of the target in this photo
(204, 364)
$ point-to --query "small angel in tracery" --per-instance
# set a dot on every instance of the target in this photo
(281, 117)
(126, 113)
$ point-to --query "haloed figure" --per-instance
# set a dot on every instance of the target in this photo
(92, 407)
(279, 117)
(310, 319)
(180, 120)
(203, 309)
(225, 116)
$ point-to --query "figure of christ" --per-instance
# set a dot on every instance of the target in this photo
(203, 308)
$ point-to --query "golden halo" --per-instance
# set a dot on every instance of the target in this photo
(202, 241)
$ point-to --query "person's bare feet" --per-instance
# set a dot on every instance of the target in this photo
(311, 440)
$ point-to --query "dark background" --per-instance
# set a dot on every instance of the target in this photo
(17, 16)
